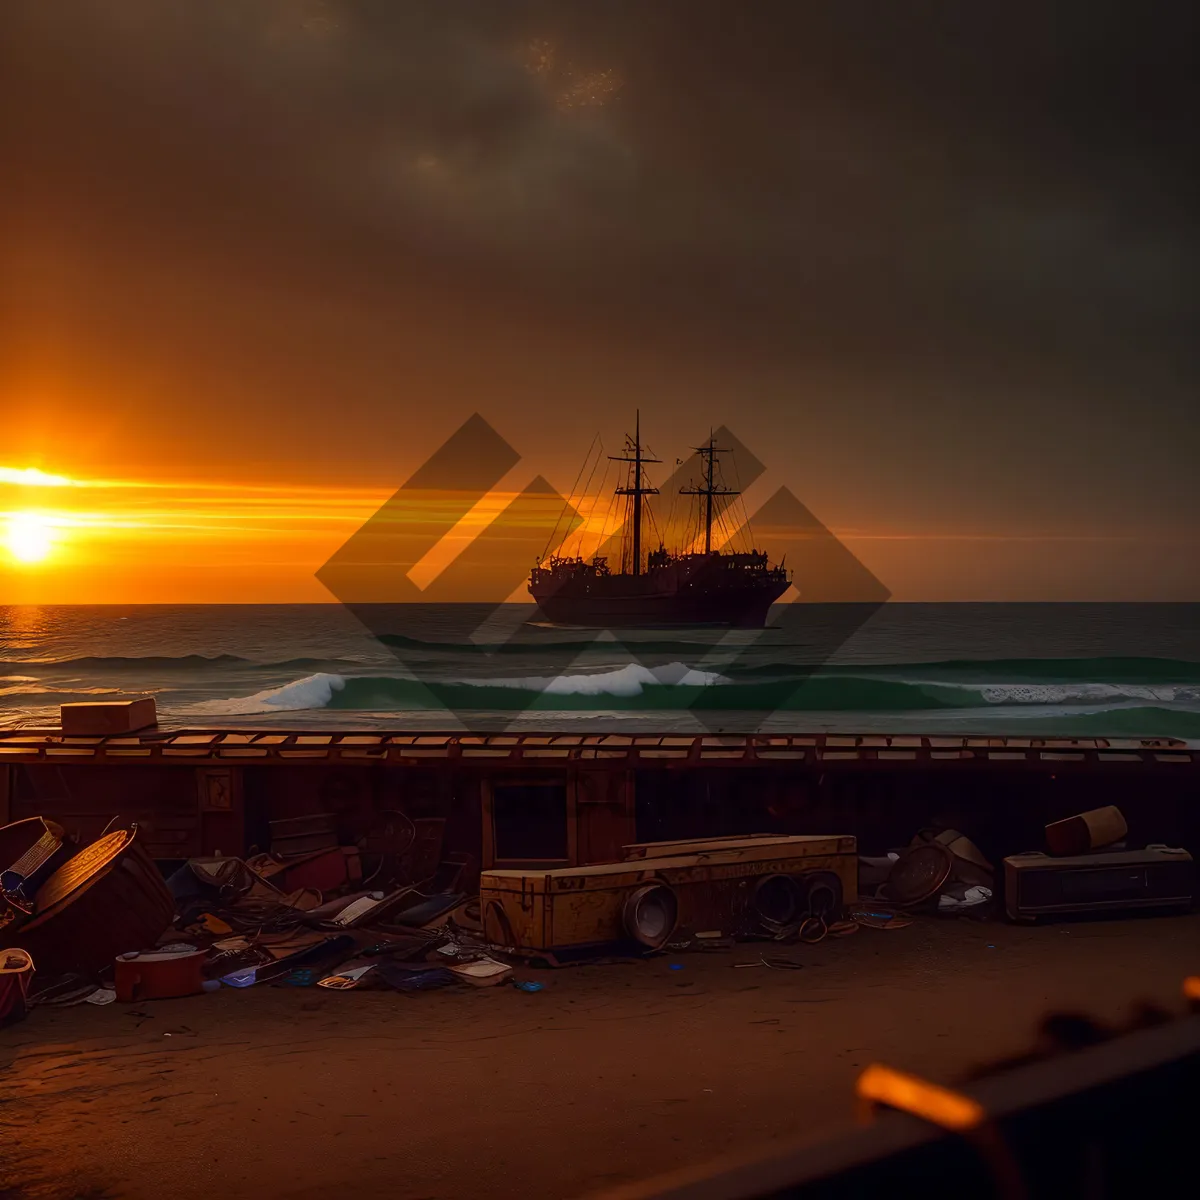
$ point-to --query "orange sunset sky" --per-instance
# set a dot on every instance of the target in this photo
(85, 539)
(260, 261)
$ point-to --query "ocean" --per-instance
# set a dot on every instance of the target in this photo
(1124, 670)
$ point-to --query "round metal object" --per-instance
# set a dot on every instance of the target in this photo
(107, 900)
(919, 873)
(649, 914)
(776, 900)
(822, 899)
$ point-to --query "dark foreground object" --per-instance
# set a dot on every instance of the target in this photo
(1113, 1120)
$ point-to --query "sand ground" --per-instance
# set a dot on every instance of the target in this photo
(610, 1073)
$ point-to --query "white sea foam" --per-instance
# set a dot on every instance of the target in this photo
(1084, 693)
(317, 691)
(313, 691)
(629, 680)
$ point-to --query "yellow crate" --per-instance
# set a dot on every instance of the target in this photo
(713, 884)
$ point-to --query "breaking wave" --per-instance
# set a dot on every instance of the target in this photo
(678, 686)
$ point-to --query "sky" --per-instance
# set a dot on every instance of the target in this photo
(934, 264)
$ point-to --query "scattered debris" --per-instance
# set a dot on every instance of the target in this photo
(876, 917)
(972, 897)
(388, 913)
(482, 972)
(1091, 830)
(36, 848)
(347, 978)
(16, 972)
(159, 974)
(107, 899)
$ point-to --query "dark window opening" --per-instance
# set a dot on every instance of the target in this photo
(530, 823)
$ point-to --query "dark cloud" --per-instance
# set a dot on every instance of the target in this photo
(873, 159)
(932, 204)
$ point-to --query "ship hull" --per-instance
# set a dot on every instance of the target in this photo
(629, 608)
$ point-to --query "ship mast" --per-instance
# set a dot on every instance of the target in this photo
(636, 490)
(709, 452)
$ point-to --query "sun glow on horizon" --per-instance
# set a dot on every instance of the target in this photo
(29, 538)
(33, 477)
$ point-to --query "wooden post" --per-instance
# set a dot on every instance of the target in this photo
(488, 856)
(572, 820)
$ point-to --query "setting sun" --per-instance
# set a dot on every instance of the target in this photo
(29, 539)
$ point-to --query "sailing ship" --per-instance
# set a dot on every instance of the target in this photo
(661, 588)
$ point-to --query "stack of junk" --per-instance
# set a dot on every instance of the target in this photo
(104, 921)
(1086, 867)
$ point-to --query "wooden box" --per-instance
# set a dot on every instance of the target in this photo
(713, 889)
(1108, 881)
(100, 719)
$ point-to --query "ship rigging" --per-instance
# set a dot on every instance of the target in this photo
(691, 587)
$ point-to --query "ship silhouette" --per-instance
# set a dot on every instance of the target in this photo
(661, 588)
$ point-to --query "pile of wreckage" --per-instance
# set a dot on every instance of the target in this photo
(102, 922)
(1086, 866)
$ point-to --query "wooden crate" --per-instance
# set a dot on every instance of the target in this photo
(577, 907)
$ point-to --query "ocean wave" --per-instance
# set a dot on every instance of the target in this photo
(314, 691)
(631, 680)
(679, 687)
(126, 662)
(997, 670)
(187, 663)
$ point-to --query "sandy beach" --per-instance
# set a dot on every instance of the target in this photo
(610, 1073)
